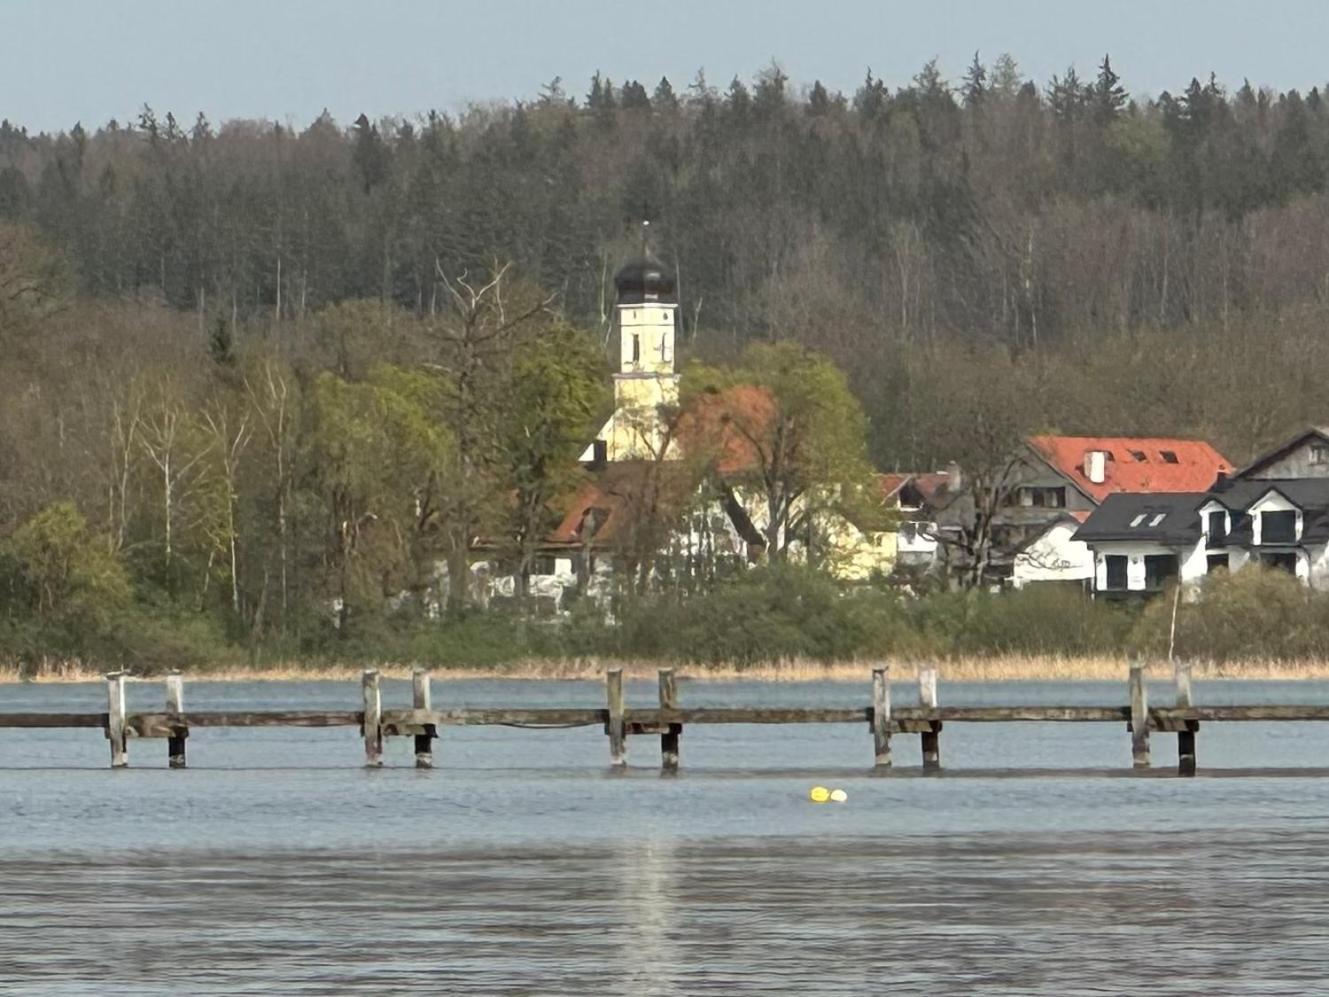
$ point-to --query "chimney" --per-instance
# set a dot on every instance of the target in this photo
(953, 479)
(1095, 465)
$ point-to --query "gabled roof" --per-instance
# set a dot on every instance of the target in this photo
(1134, 464)
(1239, 494)
(1064, 517)
(926, 483)
(1162, 518)
(604, 509)
(1283, 449)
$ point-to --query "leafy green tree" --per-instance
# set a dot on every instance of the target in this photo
(380, 457)
(552, 404)
(783, 423)
(58, 570)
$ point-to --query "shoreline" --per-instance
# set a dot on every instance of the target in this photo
(994, 669)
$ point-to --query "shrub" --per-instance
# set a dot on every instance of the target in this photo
(1252, 613)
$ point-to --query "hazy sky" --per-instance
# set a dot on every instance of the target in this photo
(63, 61)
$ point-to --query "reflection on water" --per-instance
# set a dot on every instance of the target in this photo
(1035, 913)
(522, 866)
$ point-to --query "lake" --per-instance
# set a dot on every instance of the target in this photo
(1035, 864)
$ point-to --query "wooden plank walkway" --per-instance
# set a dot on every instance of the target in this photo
(424, 723)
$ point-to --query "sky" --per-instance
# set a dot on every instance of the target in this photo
(67, 61)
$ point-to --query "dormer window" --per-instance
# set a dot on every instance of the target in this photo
(1158, 518)
(1139, 519)
(1139, 456)
(1217, 528)
(1319, 453)
(1169, 456)
(1278, 527)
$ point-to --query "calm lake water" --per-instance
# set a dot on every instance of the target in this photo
(1036, 864)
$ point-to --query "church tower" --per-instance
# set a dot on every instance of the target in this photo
(644, 321)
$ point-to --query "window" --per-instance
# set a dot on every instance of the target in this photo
(1217, 528)
(1044, 498)
(1281, 561)
(1169, 456)
(1115, 571)
(1139, 455)
(1158, 568)
(636, 348)
(1278, 527)
(1216, 562)
(1319, 453)
(543, 564)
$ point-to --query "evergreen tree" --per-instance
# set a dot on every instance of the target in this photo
(870, 100)
(1107, 96)
(975, 85)
(819, 101)
(634, 97)
(664, 99)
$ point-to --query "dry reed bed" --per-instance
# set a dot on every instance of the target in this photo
(1014, 668)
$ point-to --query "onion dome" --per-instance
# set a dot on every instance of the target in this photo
(644, 279)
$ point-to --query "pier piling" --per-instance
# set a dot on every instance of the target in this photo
(175, 706)
(669, 735)
(116, 731)
(1186, 731)
(881, 717)
(614, 725)
(372, 724)
(930, 738)
(422, 700)
(1139, 725)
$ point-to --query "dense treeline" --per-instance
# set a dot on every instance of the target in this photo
(258, 370)
(886, 227)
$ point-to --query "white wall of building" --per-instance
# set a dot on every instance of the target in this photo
(1054, 557)
(1192, 563)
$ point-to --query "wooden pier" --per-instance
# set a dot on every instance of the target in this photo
(425, 723)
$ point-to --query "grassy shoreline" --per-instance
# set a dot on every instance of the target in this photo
(1014, 668)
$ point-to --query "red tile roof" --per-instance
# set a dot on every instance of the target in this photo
(1135, 463)
(722, 426)
(606, 508)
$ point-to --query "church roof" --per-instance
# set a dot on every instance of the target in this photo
(644, 279)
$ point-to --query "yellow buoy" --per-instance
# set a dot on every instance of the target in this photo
(819, 794)
(839, 796)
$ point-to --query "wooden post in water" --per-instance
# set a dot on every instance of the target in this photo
(115, 719)
(1186, 735)
(373, 715)
(881, 717)
(1139, 717)
(422, 699)
(175, 703)
(615, 728)
(669, 737)
(927, 698)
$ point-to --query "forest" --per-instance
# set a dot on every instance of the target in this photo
(233, 351)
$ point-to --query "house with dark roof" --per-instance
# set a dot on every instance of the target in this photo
(1049, 489)
(1141, 542)
(1274, 511)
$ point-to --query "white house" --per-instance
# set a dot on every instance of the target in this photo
(1140, 543)
(1274, 511)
